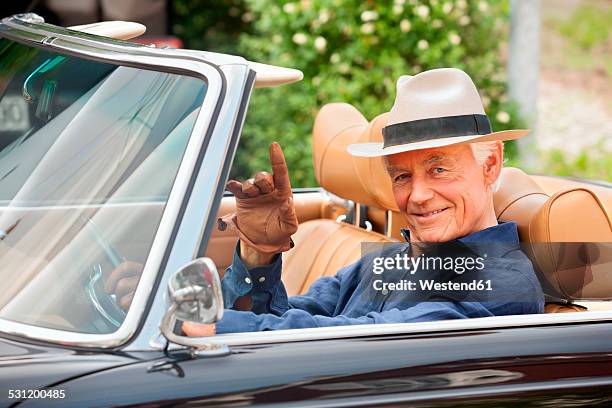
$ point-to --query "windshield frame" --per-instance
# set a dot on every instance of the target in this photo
(68, 42)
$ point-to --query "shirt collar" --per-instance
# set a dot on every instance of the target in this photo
(493, 241)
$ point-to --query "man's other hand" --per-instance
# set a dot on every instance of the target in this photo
(122, 283)
(265, 216)
(198, 330)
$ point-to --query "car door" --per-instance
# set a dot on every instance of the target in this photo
(560, 364)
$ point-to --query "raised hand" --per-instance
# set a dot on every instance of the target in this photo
(265, 217)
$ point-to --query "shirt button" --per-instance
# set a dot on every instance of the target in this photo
(261, 279)
(247, 280)
(384, 292)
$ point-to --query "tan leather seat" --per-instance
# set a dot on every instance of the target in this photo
(324, 246)
(568, 236)
(571, 235)
(518, 199)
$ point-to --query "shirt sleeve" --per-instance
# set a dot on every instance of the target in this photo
(236, 321)
(268, 292)
(261, 282)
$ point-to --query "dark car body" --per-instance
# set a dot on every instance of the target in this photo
(562, 365)
(545, 360)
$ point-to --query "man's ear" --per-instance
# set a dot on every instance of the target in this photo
(493, 165)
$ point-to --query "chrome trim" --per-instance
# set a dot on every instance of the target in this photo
(198, 210)
(87, 206)
(43, 33)
(444, 396)
(357, 215)
(147, 59)
(388, 223)
(340, 332)
(30, 18)
(200, 344)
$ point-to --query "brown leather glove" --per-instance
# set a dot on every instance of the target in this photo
(265, 217)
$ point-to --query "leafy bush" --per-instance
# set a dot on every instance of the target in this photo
(212, 25)
(350, 51)
(592, 164)
(586, 38)
(588, 27)
(353, 51)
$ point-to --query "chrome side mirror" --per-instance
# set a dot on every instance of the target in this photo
(194, 293)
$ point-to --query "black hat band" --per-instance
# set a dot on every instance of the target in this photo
(435, 128)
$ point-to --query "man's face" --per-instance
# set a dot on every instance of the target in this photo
(442, 192)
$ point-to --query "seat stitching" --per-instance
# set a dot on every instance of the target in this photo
(514, 200)
(546, 209)
(313, 231)
(594, 196)
(348, 253)
(340, 242)
(317, 254)
(346, 238)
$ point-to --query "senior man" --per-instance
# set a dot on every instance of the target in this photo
(444, 163)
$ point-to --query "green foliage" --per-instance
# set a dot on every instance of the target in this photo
(593, 164)
(353, 51)
(350, 51)
(588, 26)
(587, 35)
(212, 25)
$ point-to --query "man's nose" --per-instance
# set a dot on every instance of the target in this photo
(420, 192)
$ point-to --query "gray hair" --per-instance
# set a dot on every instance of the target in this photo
(482, 151)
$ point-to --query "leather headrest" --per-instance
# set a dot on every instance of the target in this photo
(371, 170)
(336, 126)
(564, 235)
(518, 199)
(571, 236)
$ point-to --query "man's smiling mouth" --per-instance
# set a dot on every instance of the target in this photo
(430, 214)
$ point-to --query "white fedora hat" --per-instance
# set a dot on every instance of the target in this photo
(435, 108)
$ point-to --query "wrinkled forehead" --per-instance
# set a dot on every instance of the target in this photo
(427, 157)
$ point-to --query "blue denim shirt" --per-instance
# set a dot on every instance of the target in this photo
(348, 297)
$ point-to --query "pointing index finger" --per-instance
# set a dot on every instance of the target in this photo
(279, 169)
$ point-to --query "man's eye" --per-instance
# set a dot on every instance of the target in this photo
(401, 177)
(439, 170)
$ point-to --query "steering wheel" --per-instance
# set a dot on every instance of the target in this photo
(105, 304)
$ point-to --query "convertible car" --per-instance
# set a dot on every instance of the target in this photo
(112, 151)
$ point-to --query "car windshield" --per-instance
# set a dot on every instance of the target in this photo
(88, 155)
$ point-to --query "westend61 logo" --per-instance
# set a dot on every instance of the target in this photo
(453, 265)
